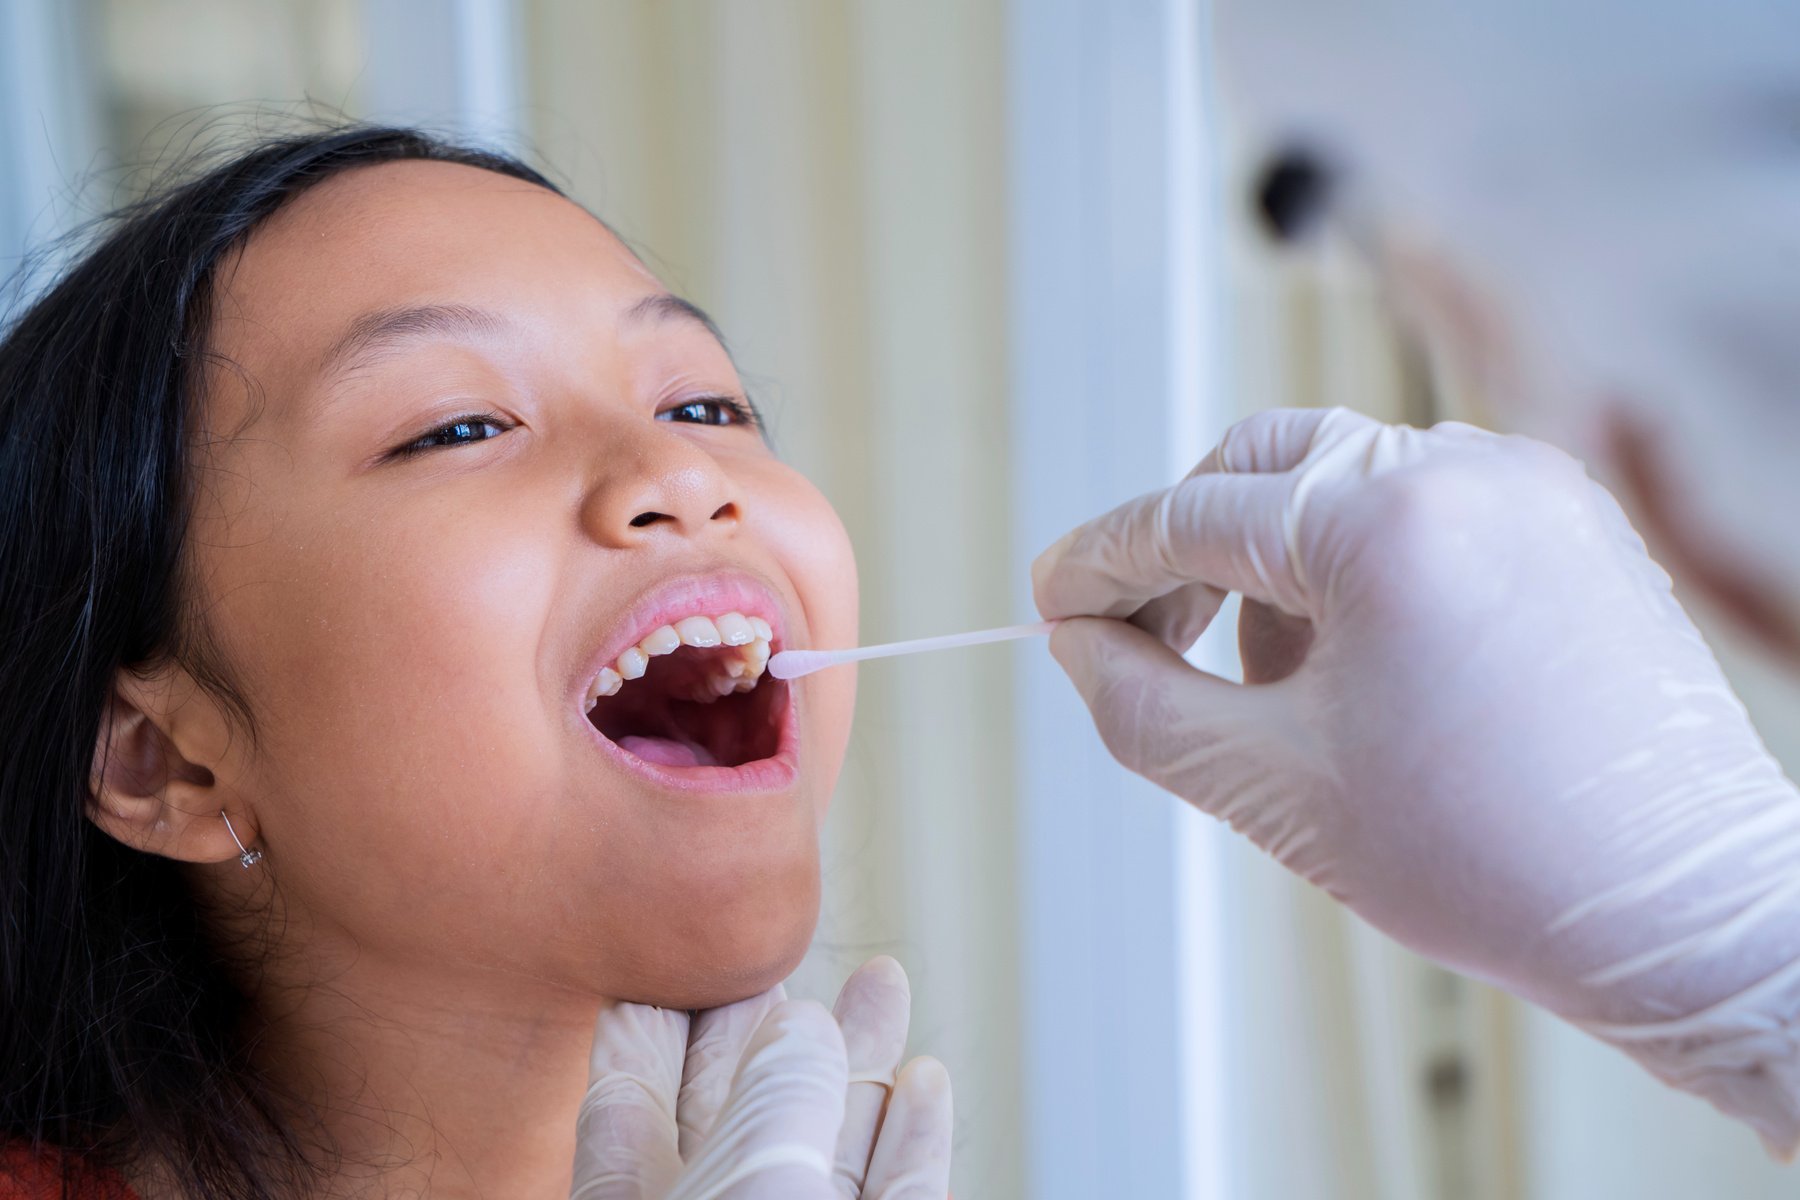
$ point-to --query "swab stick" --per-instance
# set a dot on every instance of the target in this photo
(792, 664)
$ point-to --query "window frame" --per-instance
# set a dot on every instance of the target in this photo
(1116, 263)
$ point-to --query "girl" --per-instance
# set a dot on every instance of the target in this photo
(389, 565)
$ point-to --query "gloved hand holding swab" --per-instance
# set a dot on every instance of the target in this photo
(792, 664)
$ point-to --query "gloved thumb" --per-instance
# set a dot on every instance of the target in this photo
(1178, 726)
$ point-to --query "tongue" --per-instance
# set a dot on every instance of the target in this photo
(667, 752)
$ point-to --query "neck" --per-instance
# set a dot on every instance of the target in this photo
(426, 1081)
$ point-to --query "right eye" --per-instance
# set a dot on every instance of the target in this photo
(460, 431)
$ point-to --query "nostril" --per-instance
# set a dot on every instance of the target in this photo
(645, 519)
(725, 512)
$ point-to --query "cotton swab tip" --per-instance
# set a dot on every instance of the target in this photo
(792, 664)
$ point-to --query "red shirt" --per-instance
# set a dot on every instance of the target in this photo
(25, 1176)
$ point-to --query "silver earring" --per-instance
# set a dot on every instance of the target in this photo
(246, 858)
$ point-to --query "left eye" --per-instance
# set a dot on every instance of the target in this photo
(475, 427)
(709, 410)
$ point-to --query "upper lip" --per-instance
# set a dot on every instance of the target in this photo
(707, 594)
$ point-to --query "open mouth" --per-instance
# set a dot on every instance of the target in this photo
(694, 694)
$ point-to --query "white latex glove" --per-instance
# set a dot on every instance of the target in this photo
(1474, 713)
(765, 1099)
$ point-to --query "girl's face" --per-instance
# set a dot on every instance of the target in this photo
(461, 452)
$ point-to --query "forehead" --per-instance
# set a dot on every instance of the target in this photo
(407, 233)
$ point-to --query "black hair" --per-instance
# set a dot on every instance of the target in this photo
(119, 1019)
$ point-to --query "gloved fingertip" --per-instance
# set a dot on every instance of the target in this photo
(884, 969)
(879, 984)
(925, 1080)
(1077, 641)
(874, 1012)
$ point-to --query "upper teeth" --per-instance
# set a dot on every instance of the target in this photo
(750, 636)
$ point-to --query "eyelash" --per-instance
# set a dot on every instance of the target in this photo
(424, 442)
(735, 412)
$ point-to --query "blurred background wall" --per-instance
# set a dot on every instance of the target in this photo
(864, 195)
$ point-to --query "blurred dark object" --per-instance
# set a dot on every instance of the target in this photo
(1292, 195)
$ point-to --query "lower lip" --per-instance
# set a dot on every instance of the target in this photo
(775, 774)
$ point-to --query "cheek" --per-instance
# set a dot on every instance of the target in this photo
(813, 548)
(427, 625)
(393, 668)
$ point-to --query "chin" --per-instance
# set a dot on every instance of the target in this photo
(731, 953)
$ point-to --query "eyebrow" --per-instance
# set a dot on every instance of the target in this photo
(373, 334)
(667, 307)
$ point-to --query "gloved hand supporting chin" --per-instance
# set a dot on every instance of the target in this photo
(766, 1099)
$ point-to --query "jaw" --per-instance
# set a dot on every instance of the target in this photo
(727, 924)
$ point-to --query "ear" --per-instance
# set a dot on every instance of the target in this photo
(143, 790)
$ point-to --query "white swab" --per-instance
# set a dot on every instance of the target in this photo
(792, 664)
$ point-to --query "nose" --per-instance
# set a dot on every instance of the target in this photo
(653, 484)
